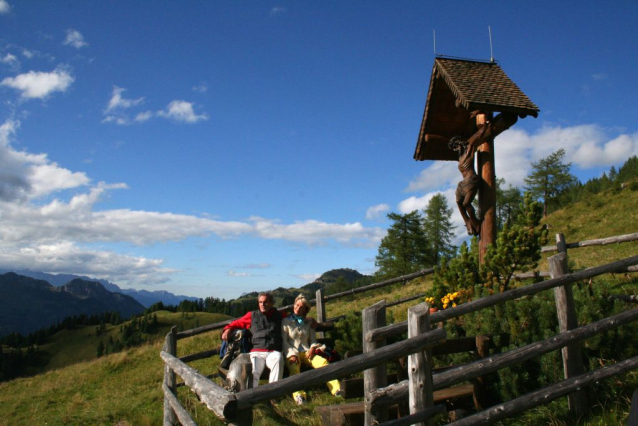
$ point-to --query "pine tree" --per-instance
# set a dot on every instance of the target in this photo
(405, 248)
(507, 204)
(439, 228)
(100, 349)
(549, 177)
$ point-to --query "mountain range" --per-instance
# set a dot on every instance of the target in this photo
(30, 304)
(146, 298)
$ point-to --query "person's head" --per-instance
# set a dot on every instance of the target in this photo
(457, 144)
(265, 301)
(301, 306)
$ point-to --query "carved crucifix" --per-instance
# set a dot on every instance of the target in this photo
(467, 189)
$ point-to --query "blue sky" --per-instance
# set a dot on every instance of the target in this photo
(212, 148)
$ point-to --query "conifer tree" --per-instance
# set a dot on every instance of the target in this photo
(405, 248)
(507, 204)
(439, 228)
(549, 177)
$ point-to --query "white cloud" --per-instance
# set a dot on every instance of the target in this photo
(313, 232)
(255, 266)
(143, 116)
(181, 111)
(67, 257)
(118, 102)
(36, 84)
(9, 59)
(592, 154)
(201, 88)
(232, 273)
(307, 278)
(377, 212)
(4, 7)
(436, 175)
(277, 10)
(117, 119)
(75, 39)
(24, 176)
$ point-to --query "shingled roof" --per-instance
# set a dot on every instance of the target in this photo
(458, 87)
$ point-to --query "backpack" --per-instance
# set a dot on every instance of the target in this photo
(238, 342)
(328, 353)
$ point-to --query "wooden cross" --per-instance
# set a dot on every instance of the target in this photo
(458, 123)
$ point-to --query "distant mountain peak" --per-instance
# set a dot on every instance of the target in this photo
(85, 289)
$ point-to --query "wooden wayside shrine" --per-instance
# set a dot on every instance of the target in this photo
(462, 99)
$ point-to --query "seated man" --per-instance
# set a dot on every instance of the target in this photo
(265, 327)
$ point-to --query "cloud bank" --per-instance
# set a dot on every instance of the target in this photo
(44, 231)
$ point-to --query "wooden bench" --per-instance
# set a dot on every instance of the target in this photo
(353, 413)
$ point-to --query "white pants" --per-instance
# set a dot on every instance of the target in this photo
(273, 360)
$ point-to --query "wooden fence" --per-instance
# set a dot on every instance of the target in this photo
(236, 408)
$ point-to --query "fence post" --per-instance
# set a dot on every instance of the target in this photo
(321, 310)
(566, 311)
(374, 378)
(170, 346)
(420, 364)
(480, 383)
(244, 417)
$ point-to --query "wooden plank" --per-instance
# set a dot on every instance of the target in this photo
(419, 364)
(352, 413)
(598, 242)
(417, 417)
(625, 297)
(376, 377)
(566, 311)
(479, 304)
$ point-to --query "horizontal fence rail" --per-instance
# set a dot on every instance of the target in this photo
(599, 242)
(479, 304)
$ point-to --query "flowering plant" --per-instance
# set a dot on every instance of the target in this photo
(431, 301)
(450, 299)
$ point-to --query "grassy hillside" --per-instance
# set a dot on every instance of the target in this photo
(124, 388)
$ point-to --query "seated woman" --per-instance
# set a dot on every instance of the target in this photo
(299, 344)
